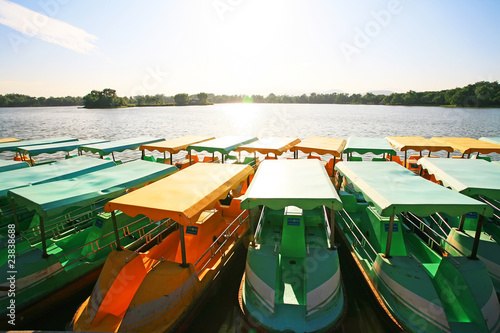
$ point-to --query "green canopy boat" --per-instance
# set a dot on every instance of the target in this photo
(13, 145)
(29, 151)
(292, 278)
(111, 147)
(63, 169)
(422, 287)
(478, 179)
(223, 145)
(364, 145)
(70, 235)
(6, 165)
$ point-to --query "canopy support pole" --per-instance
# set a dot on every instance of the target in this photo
(16, 219)
(389, 238)
(117, 236)
(406, 154)
(183, 246)
(476, 237)
(189, 156)
(113, 155)
(332, 229)
(462, 222)
(333, 166)
(339, 182)
(42, 234)
(143, 154)
(171, 157)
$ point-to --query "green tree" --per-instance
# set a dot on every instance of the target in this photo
(202, 98)
(181, 99)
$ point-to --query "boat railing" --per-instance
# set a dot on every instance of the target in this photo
(422, 223)
(75, 220)
(411, 255)
(217, 246)
(442, 220)
(355, 229)
(147, 236)
(495, 206)
(112, 244)
(327, 230)
(259, 226)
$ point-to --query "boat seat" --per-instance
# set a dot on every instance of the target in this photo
(355, 158)
(379, 159)
(150, 158)
(293, 243)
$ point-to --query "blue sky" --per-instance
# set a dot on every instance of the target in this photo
(70, 47)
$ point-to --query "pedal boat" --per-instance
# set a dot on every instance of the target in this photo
(365, 145)
(478, 179)
(18, 178)
(70, 236)
(421, 289)
(418, 144)
(469, 146)
(223, 145)
(268, 145)
(154, 290)
(112, 147)
(174, 146)
(321, 146)
(292, 279)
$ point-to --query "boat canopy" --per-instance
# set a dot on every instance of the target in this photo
(50, 172)
(417, 143)
(7, 165)
(468, 176)
(301, 183)
(491, 139)
(55, 147)
(363, 145)
(53, 199)
(174, 146)
(223, 145)
(273, 145)
(184, 195)
(321, 145)
(106, 148)
(5, 140)
(12, 146)
(393, 189)
(469, 145)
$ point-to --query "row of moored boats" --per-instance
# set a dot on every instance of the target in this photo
(153, 234)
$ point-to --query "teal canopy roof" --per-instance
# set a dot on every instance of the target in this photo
(53, 199)
(393, 189)
(363, 145)
(106, 148)
(49, 172)
(491, 139)
(56, 147)
(302, 183)
(223, 145)
(6, 165)
(468, 176)
(12, 146)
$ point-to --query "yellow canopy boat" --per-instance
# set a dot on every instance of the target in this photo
(153, 291)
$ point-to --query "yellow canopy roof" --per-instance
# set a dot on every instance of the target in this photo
(468, 145)
(268, 145)
(175, 145)
(9, 140)
(417, 143)
(184, 195)
(321, 146)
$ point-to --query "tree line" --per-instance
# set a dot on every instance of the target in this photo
(19, 100)
(479, 94)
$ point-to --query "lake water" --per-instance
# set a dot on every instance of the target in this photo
(220, 312)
